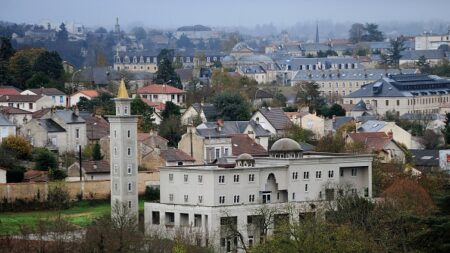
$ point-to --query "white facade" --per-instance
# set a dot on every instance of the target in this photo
(2, 176)
(31, 106)
(57, 100)
(123, 150)
(198, 197)
(427, 41)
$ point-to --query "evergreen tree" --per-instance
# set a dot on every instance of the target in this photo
(49, 63)
(395, 52)
(171, 109)
(96, 152)
(6, 49)
(62, 35)
(232, 106)
(166, 73)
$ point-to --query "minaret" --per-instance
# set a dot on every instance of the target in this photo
(123, 153)
(117, 26)
(317, 33)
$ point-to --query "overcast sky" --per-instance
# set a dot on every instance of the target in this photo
(174, 13)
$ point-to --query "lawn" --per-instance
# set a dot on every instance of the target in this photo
(80, 214)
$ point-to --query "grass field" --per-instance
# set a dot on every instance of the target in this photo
(80, 214)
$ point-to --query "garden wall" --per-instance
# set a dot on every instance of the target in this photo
(91, 189)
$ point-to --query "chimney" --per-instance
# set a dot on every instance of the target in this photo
(76, 112)
(219, 124)
(390, 134)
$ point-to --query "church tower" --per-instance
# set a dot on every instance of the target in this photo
(123, 150)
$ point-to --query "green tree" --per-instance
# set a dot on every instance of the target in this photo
(356, 33)
(6, 49)
(332, 144)
(171, 130)
(329, 112)
(96, 152)
(62, 35)
(139, 107)
(308, 94)
(372, 33)
(299, 134)
(49, 63)
(38, 80)
(166, 73)
(396, 49)
(45, 159)
(232, 106)
(423, 65)
(170, 109)
(184, 42)
(139, 33)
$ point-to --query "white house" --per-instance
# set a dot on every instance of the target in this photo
(88, 94)
(7, 128)
(200, 200)
(162, 93)
(58, 97)
(29, 103)
(272, 119)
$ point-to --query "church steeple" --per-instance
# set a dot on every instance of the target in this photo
(317, 33)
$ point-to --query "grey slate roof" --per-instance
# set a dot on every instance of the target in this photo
(372, 126)
(341, 120)
(276, 117)
(208, 109)
(296, 62)
(425, 157)
(4, 121)
(360, 106)
(314, 47)
(69, 117)
(51, 126)
(348, 74)
(306, 146)
(405, 85)
(211, 130)
(252, 69)
(429, 54)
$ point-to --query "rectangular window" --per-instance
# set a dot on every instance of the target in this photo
(129, 169)
(155, 96)
(306, 175)
(129, 133)
(129, 151)
(171, 177)
(251, 177)
(186, 178)
(294, 175)
(217, 153)
(225, 152)
(306, 187)
(251, 198)
(366, 192)
(318, 174)
(236, 199)
(30, 105)
(293, 196)
(171, 197)
(354, 172)
(129, 204)
(61, 99)
(221, 199)
(236, 178)
(129, 187)
(200, 199)
(330, 173)
(186, 198)
(398, 102)
(221, 179)
(387, 102)
(200, 179)
(77, 133)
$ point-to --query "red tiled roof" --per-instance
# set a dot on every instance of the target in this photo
(372, 140)
(157, 105)
(39, 113)
(159, 89)
(89, 93)
(174, 155)
(9, 91)
(101, 166)
(242, 143)
(13, 110)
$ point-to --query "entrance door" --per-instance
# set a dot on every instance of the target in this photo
(266, 198)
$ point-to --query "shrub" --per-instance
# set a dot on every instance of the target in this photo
(151, 193)
(57, 174)
(15, 174)
(45, 159)
(58, 197)
(18, 145)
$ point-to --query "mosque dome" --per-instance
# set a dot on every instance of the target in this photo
(285, 145)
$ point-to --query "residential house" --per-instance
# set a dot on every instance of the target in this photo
(357, 110)
(322, 126)
(193, 197)
(7, 128)
(272, 119)
(255, 72)
(90, 171)
(29, 103)
(62, 130)
(206, 112)
(17, 116)
(429, 41)
(399, 135)
(87, 94)
(261, 97)
(380, 143)
(162, 93)
(212, 140)
(243, 144)
(59, 98)
(176, 157)
(9, 90)
(96, 127)
(407, 93)
(432, 57)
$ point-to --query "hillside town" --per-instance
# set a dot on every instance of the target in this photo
(205, 139)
